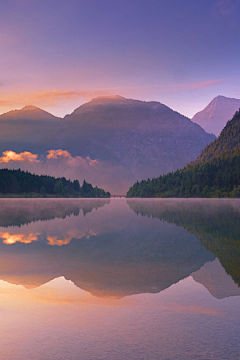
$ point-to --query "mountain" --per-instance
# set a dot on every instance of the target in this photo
(146, 138)
(215, 116)
(227, 142)
(20, 129)
(215, 173)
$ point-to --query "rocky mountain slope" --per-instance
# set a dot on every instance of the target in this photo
(147, 138)
(215, 116)
(228, 141)
(215, 173)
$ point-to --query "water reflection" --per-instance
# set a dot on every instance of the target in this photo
(215, 222)
(165, 254)
(17, 212)
(117, 248)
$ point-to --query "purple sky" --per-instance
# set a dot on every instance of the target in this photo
(58, 54)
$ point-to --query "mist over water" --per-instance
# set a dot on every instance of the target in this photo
(119, 278)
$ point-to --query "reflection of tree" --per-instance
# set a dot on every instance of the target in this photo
(215, 222)
(16, 212)
(123, 255)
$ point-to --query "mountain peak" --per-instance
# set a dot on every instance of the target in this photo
(110, 97)
(215, 115)
(29, 112)
(30, 107)
(228, 140)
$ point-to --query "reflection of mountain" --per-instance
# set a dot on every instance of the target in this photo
(124, 254)
(213, 276)
(16, 212)
(216, 222)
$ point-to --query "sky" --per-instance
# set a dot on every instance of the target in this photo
(59, 54)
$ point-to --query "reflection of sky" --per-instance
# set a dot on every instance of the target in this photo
(182, 53)
(60, 321)
(54, 317)
(60, 231)
(109, 251)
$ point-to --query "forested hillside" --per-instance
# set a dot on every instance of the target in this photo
(229, 139)
(215, 173)
(18, 182)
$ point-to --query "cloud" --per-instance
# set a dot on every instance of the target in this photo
(60, 163)
(55, 154)
(202, 84)
(53, 97)
(77, 160)
(9, 155)
(226, 11)
(225, 8)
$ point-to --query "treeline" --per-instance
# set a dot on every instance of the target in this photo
(215, 173)
(217, 178)
(22, 182)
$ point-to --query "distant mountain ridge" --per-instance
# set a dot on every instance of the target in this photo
(133, 138)
(216, 114)
(215, 173)
(20, 129)
(147, 138)
(28, 112)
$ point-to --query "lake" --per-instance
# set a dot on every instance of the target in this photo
(119, 279)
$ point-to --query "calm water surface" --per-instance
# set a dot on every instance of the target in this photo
(119, 279)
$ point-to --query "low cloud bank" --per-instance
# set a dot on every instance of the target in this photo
(11, 156)
(60, 163)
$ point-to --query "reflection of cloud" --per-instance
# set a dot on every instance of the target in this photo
(10, 239)
(9, 155)
(91, 233)
(15, 238)
(53, 240)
